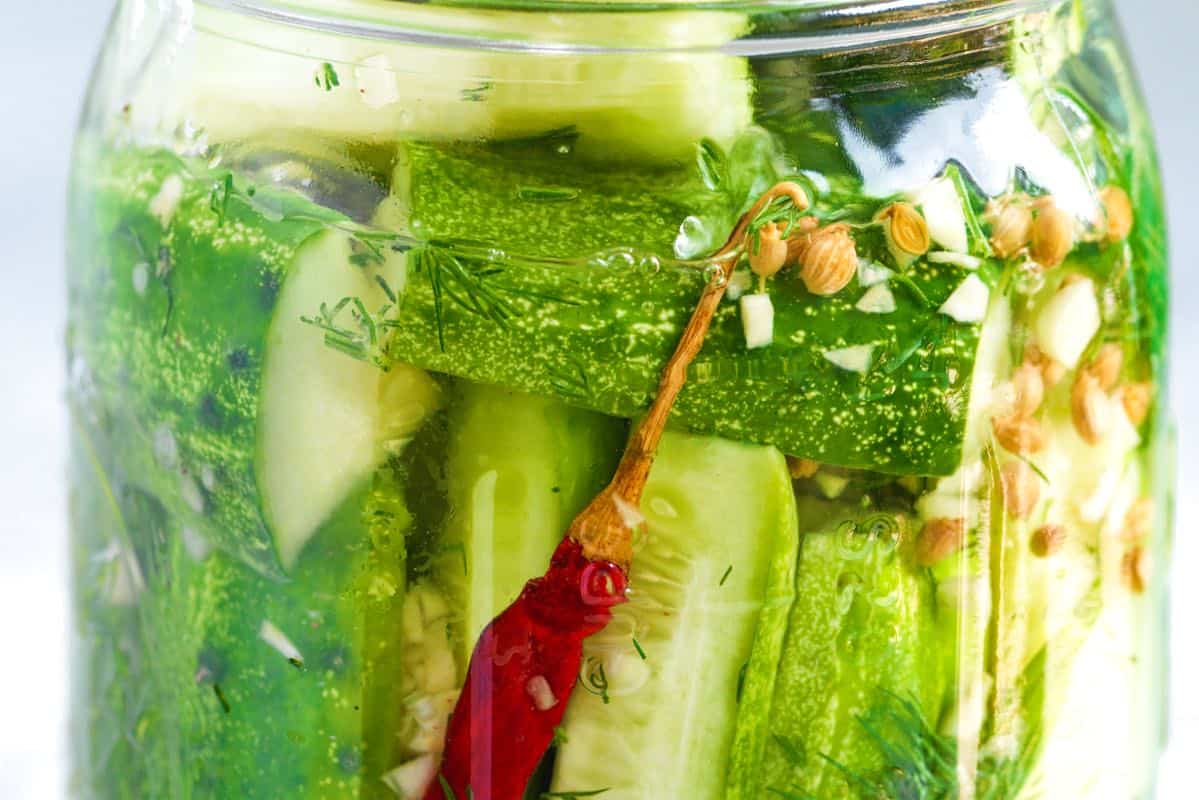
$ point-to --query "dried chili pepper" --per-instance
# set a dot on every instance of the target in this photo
(526, 661)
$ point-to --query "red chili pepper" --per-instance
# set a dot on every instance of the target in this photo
(522, 671)
(527, 660)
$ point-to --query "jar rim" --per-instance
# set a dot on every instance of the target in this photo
(795, 26)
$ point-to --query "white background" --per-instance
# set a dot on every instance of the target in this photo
(46, 48)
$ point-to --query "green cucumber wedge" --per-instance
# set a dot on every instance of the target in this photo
(519, 469)
(596, 330)
(656, 706)
(220, 400)
(855, 639)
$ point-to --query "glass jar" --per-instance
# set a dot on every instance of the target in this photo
(367, 298)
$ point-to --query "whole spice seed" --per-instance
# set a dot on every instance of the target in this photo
(940, 538)
(1021, 488)
(1052, 235)
(1138, 522)
(1018, 434)
(1028, 386)
(1011, 226)
(1107, 364)
(906, 231)
(1117, 213)
(829, 260)
(1052, 371)
(802, 467)
(1047, 540)
(798, 241)
(1134, 569)
(1089, 408)
(1136, 399)
(767, 252)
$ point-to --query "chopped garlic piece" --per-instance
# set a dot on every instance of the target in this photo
(411, 779)
(877, 300)
(268, 633)
(968, 303)
(854, 359)
(872, 273)
(1068, 322)
(956, 259)
(164, 204)
(757, 320)
(943, 212)
(541, 692)
(831, 486)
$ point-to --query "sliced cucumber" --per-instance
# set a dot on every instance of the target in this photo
(519, 468)
(858, 629)
(240, 79)
(322, 415)
(219, 400)
(717, 555)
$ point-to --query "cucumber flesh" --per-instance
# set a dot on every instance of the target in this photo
(720, 521)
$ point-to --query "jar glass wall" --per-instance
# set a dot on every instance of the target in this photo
(368, 298)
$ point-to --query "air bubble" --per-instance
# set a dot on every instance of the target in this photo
(715, 275)
(650, 265)
(693, 238)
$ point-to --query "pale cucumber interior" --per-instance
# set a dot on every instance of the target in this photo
(321, 419)
(717, 513)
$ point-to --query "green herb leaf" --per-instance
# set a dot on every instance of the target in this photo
(637, 646)
(726, 574)
(326, 77)
(574, 795)
(218, 199)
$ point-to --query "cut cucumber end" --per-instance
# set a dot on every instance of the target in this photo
(241, 79)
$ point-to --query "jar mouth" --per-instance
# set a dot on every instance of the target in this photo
(768, 27)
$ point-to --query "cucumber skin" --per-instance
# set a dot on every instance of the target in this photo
(172, 372)
(605, 346)
(820, 692)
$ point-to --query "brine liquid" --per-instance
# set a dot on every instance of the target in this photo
(355, 335)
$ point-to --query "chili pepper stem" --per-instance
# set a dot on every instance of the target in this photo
(601, 528)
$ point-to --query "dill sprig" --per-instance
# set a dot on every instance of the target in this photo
(465, 281)
(351, 329)
(573, 794)
(921, 763)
